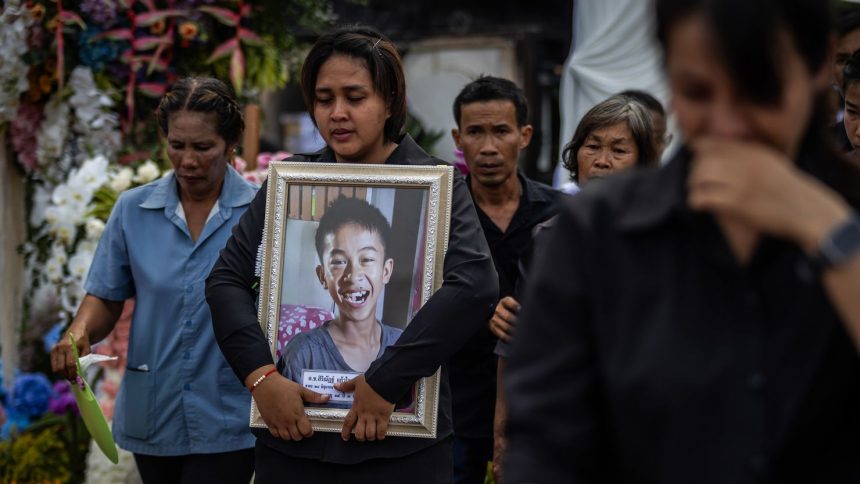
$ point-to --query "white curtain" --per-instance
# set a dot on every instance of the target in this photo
(613, 48)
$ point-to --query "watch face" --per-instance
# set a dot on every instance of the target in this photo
(844, 243)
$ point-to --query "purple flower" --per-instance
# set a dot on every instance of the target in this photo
(30, 396)
(61, 387)
(64, 403)
(102, 12)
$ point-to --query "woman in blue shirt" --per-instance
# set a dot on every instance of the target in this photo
(180, 409)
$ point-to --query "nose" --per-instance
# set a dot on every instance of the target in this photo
(351, 273)
(188, 159)
(603, 160)
(488, 146)
(338, 112)
(727, 121)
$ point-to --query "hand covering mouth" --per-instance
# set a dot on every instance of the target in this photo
(355, 297)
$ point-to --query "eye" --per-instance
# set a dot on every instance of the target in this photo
(337, 262)
(695, 92)
(619, 151)
(368, 260)
(356, 99)
(323, 100)
(592, 146)
(202, 147)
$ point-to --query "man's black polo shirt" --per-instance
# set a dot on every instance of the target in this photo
(472, 371)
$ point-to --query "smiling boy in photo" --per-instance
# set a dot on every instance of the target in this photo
(351, 242)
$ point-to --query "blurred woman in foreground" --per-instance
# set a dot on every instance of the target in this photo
(695, 323)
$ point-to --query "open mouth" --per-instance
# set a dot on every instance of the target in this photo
(356, 297)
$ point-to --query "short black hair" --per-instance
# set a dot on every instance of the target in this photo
(646, 99)
(349, 210)
(851, 71)
(203, 95)
(847, 20)
(489, 88)
(379, 56)
(747, 35)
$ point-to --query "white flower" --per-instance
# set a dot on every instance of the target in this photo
(58, 252)
(93, 173)
(54, 270)
(95, 121)
(41, 199)
(79, 264)
(62, 222)
(44, 296)
(71, 296)
(121, 180)
(14, 21)
(94, 228)
(147, 172)
(53, 131)
(87, 245)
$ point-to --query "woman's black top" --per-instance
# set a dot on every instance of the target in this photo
(449, 318)
(646, 354)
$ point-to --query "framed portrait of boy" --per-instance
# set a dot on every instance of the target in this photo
(350, 254)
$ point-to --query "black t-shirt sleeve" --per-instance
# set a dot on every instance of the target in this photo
(452, 315)
(231, 294)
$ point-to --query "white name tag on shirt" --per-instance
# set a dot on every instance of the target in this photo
(322, 381)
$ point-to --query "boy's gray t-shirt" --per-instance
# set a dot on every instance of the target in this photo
(316, 350)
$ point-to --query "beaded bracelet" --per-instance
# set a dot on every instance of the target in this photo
(260, 380)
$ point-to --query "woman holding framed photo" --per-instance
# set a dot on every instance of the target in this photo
(354, 88)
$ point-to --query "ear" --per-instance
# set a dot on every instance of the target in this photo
(526, 136)
(321, 276)
(230, 150)
(455, 133)
(387, 269)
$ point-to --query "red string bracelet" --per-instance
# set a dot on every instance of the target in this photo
(260, 380)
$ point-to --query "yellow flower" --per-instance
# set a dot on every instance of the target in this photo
(158, 27)
(38, 12)
(45, 83)
(188, 30)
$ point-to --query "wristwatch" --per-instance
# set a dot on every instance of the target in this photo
(840, 245)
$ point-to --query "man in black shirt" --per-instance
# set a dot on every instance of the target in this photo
(492, 129)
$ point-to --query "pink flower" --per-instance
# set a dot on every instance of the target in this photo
(252, 177)
(109, 387)
(36, 39)
(460, 162)
(23, 131)
(239, 164)
(107, 409)
(263, 159)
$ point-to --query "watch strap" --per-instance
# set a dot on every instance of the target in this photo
(840, 246)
